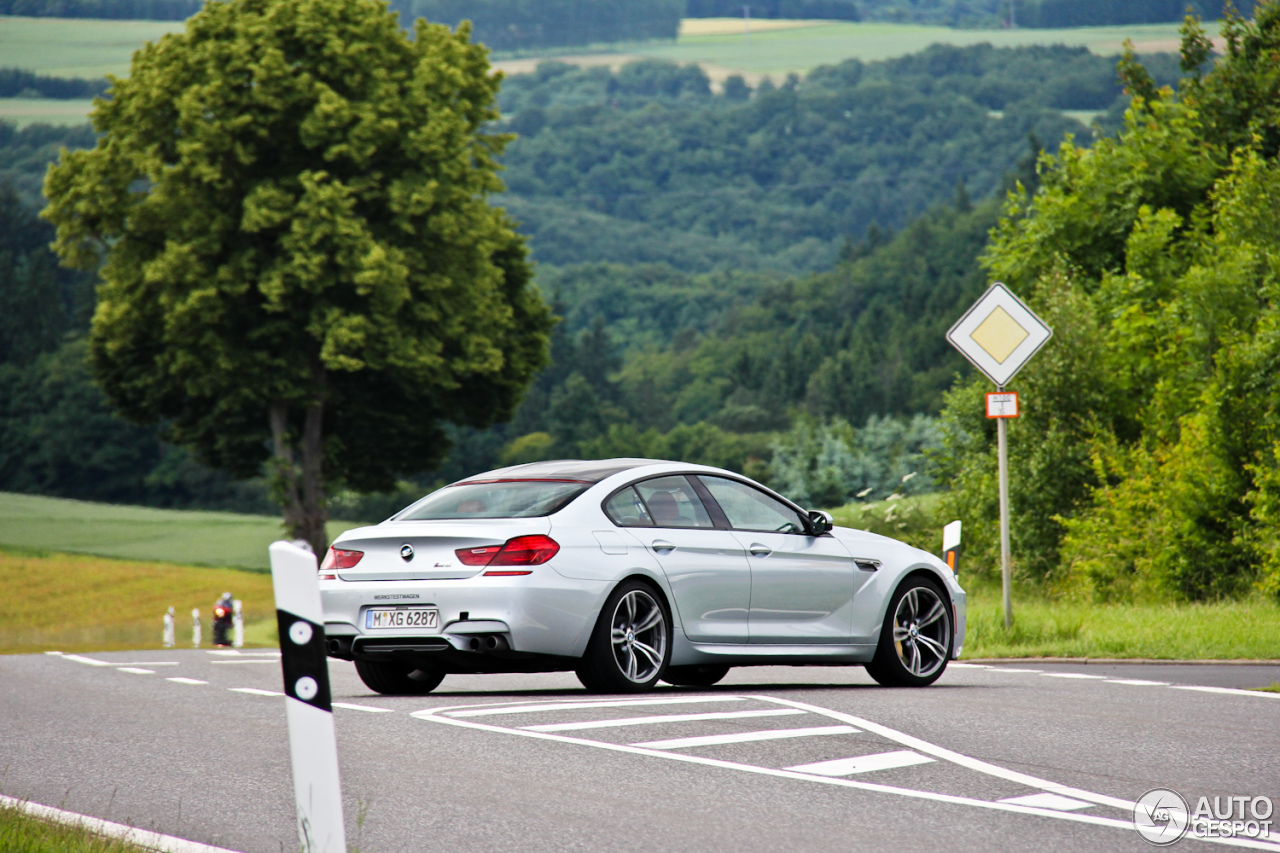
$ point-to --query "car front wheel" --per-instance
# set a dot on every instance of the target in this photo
(915, 641)
(631, 643)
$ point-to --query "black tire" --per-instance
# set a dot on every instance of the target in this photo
(631, 642)
(915, 640)
(393, 678)
(696, 675)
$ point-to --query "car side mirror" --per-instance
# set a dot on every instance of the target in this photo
(820, 522)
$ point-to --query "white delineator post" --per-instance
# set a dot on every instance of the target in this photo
(169, 637)
(195, 628)
(313, 747)
(237, 624)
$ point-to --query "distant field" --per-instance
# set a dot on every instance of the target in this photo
(138, 533)
(25, 111)
(75, 603)
(72, 47)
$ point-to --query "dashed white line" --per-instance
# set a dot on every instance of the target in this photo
(353, 707)
(668, 718)
(1230, 691)
(863, 763)
(746, 737)
(88, 661)
(1137, 682)
(577, 706)
(136, 670)
(255, 691)
(177, 679)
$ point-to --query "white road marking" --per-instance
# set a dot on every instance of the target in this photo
(437, 715)
(574, 706)
(89, 661)
(352, 707)
(180, 680)
(1137, 682)
(957, 665)
(1230, 691)
(147, 663)
(1071, 675)
(243, 661)
(255, 691)
(136, 670)
(668, 718)
(863, 763)
(955, 757)
(1048, 801)
(746, 737)
(1011, 669)
(128, 834)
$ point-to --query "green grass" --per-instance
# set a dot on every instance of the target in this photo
(1227, 630)
(1272, 688)
(32, 523)
(22, 833)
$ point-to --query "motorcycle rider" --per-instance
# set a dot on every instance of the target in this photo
(222, 617)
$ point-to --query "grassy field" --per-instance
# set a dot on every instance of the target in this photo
(72, 602)
(75, 47)
(25, 111)
(138, 533)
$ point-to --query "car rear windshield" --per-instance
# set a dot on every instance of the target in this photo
(496, 499)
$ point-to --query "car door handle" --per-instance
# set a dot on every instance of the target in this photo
(758, 550)
(662, 546)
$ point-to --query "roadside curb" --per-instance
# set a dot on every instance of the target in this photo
(108, 829)
(1157, 661)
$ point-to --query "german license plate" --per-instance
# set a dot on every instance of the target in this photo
(425, 618)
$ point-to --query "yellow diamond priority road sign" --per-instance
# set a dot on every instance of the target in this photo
(999, 334)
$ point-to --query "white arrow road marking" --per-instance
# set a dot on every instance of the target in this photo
(447, 716)
(746, 737)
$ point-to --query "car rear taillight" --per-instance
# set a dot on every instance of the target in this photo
(520, 551)
(340, 559)
(477, 556)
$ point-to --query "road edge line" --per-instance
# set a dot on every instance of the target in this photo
(98, 826)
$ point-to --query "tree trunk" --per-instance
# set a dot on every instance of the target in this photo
(299, 484)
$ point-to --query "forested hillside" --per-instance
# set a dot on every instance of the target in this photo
(746, 278)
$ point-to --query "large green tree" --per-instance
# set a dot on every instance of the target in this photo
(287, 205)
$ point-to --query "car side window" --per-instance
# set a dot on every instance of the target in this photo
(672, 502)
(626, 509)
(751, 509)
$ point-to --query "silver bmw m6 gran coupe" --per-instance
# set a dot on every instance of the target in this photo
(627, 572)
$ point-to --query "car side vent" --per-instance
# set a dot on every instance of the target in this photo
(867, 565)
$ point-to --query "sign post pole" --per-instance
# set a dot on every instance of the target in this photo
(999, 334)
(1006, 581)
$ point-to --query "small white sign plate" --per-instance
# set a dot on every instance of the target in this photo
(1003, 405)
(999, 334)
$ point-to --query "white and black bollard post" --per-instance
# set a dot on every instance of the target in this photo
(237, 625)
(313, 746)
(195, 628)
(168, 638)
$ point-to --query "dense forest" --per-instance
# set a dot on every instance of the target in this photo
(756, 279)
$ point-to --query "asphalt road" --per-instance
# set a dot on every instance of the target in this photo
(1010, 757)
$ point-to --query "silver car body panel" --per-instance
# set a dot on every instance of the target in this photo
(821, 606)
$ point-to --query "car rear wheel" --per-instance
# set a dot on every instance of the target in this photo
(696, 675)
(394, 678)
(631, 643)
(915, 641)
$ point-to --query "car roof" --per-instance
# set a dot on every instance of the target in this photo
(589, 470)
